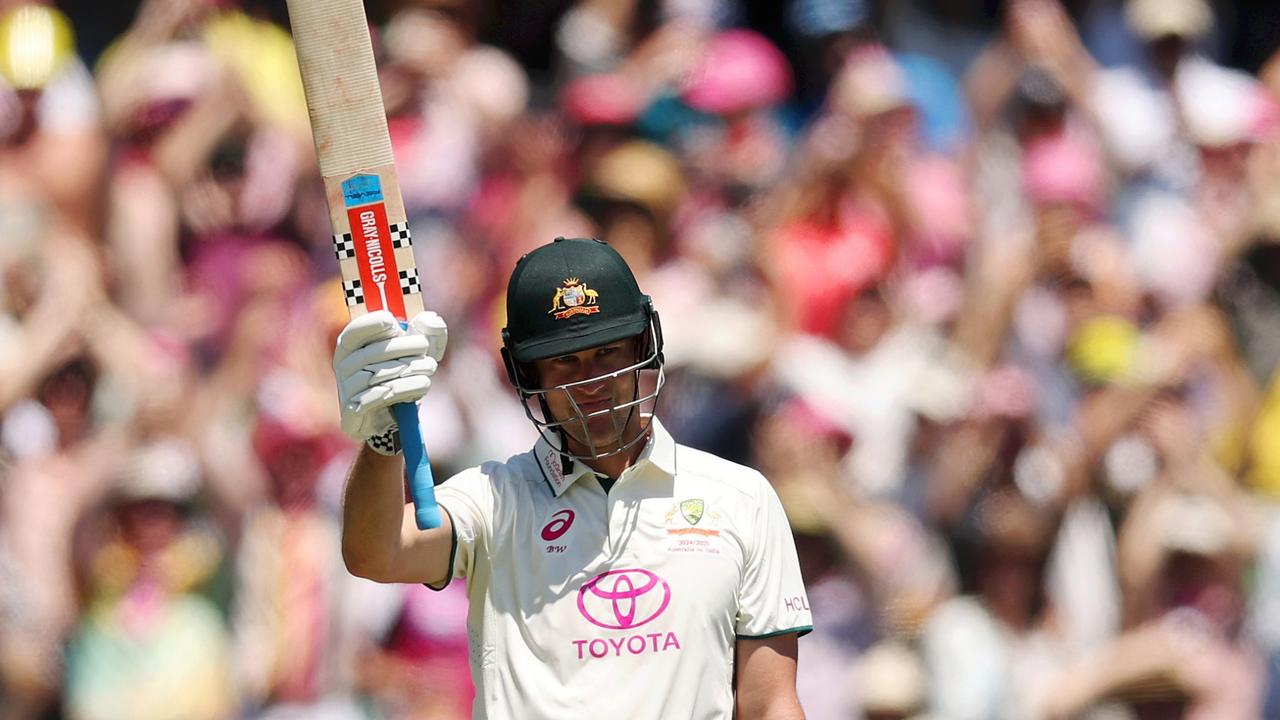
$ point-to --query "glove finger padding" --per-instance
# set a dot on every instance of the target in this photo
(379, 364)
(393, 392)
(361, 331)
(382, 372)
(403, 348)
(431, 326)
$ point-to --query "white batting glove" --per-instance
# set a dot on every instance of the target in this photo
(379, 364)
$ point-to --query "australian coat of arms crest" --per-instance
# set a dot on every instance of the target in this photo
(574, 298)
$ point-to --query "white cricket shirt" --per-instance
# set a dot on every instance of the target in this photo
(625, 605)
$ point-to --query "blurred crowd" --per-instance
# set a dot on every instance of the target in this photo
(989, 290)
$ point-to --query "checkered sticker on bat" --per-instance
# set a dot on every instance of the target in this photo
(409, 283)
(400, 237)
(344, 246)
(354, 293)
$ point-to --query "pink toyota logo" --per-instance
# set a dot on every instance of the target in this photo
(623, 599)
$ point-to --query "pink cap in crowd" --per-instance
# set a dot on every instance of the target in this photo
(740, 70)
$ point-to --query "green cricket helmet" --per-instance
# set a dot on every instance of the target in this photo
(570, 295)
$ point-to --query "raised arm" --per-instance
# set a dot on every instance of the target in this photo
(380, 539)
(379, 364)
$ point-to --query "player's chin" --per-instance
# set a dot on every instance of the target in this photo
(602, 441)
(603, 434)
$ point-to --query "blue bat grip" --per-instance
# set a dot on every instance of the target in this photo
(417, 466)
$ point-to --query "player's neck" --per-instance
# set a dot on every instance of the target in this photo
(613, 466)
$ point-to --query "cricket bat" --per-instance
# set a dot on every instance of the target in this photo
(370, 235)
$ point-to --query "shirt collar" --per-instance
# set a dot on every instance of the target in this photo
(559, 470)
(660, 450)
(562, 471)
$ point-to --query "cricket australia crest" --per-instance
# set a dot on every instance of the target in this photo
(574, 298)
(689, 536)
(692, 510)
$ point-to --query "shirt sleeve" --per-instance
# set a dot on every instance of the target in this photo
(468, 499)
(772, 600)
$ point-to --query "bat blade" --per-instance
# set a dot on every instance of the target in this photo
(372, 242)
(371, 236)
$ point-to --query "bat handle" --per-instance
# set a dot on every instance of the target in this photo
(417, 467)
